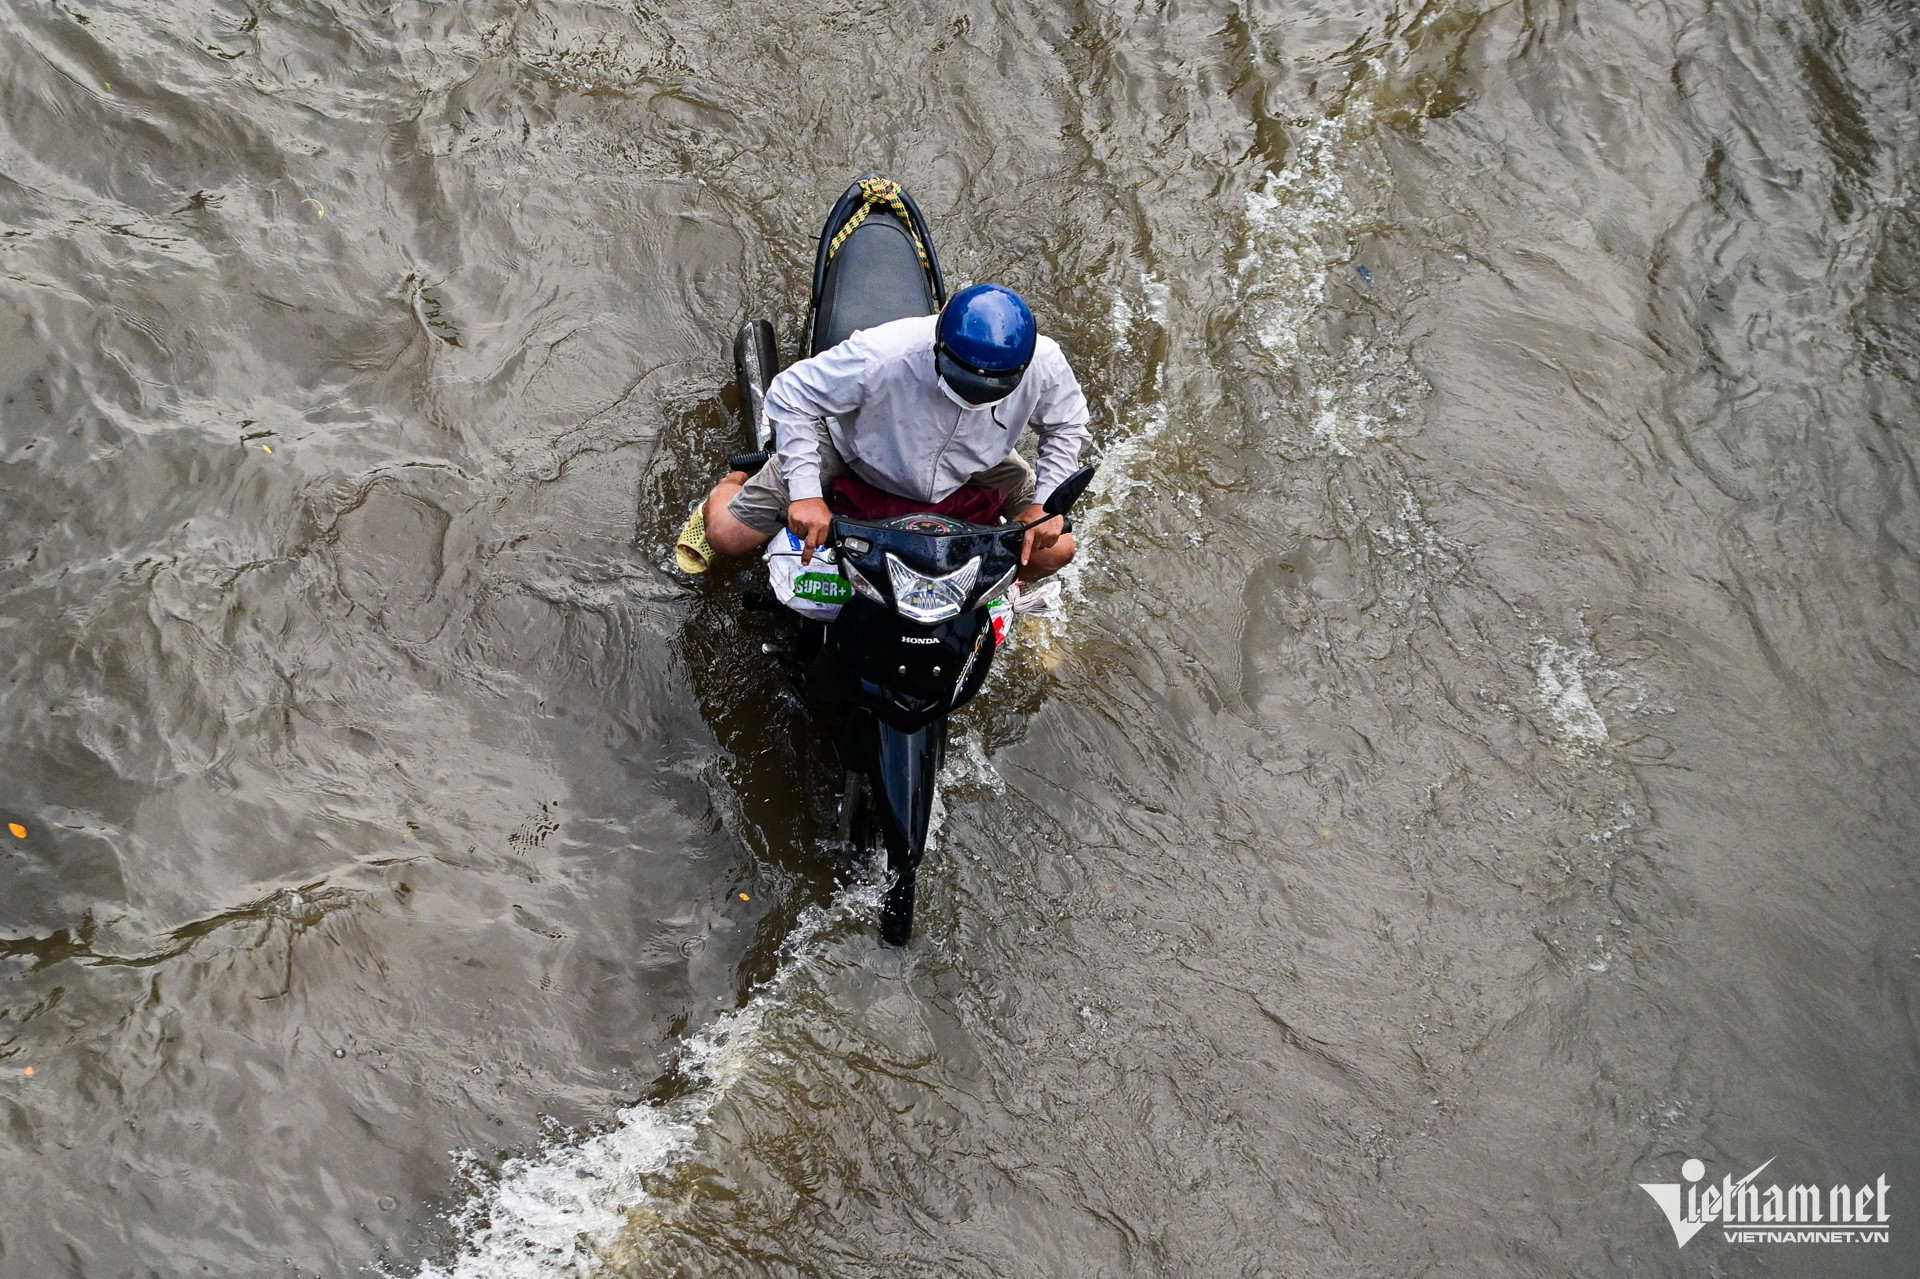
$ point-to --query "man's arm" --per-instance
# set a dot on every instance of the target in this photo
(1060, 419)
(830, 384)
(798, 401)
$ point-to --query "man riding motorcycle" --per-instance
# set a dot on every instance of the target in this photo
(918, 414)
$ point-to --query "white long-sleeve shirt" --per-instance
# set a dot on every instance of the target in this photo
(898, 428)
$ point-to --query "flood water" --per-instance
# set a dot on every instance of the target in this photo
(1475, 772)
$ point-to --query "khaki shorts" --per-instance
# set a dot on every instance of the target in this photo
(762, 504)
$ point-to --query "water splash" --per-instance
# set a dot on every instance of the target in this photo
(562, 1212)
(1561, 675)
(555, 1213)
(1301, 224)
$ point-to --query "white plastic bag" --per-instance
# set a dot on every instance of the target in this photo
(1000, 617)
(815, 590)
(1022, 600)
(1037, 599)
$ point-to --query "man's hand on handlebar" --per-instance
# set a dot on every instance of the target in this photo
(810, 521)
(1040, 536)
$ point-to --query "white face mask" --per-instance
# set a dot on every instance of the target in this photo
(956, 397)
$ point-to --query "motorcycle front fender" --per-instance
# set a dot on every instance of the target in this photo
(906, 766)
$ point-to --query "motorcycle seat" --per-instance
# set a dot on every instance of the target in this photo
(875, 277)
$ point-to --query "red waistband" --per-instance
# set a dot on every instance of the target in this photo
(851, 496)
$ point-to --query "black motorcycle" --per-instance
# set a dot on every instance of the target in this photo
(914, 641)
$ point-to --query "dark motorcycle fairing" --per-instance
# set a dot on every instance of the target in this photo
(905, 674)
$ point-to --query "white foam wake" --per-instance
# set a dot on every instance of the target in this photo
(553, 1213)
(1561, 673)
(560, 1213)
(1301, 223)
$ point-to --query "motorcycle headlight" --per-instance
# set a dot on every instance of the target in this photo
(926, 599)
(861, 584)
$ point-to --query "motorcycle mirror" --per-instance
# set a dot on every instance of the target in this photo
(1061, 500)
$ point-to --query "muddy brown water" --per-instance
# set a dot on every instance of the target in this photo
(1476, 772)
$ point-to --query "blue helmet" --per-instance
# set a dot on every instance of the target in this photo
(984, 342)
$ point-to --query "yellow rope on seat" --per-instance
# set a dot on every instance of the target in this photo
(875, 192)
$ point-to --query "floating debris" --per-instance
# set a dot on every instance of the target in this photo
(19, 831)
